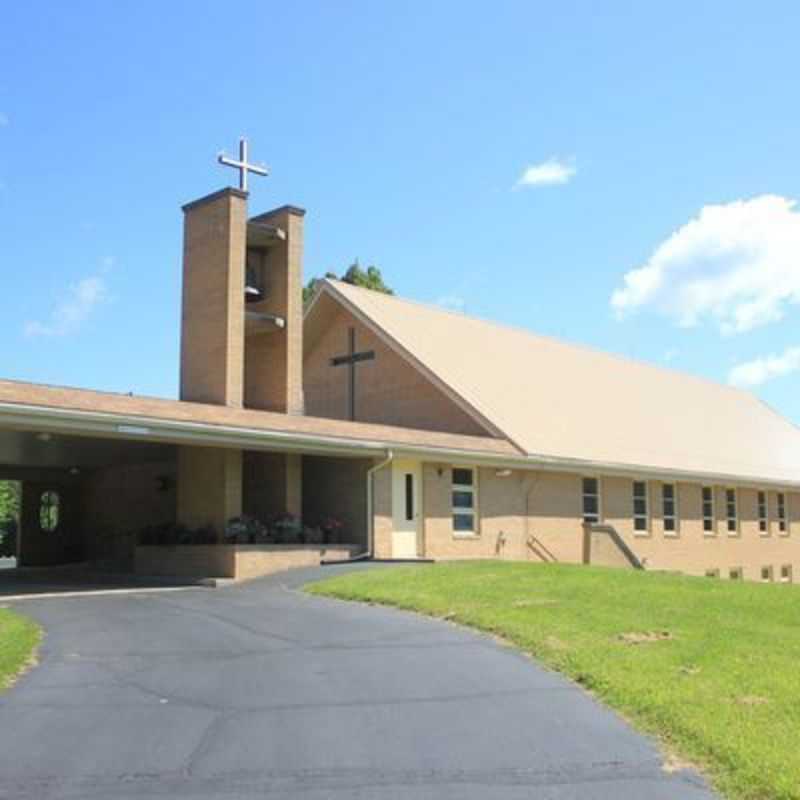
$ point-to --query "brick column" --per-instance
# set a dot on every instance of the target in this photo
(212, 322)
(209, 486)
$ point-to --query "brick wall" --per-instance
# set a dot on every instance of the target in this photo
(552, 528)
(337, 486)
(388, 390)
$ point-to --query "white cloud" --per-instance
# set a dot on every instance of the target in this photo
(452, 302)
(552, 172)
(71, 312)
(761, 370)
(737, 264)
(4, 120)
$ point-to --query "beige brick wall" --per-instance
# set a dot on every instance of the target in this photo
(382, 512)
(209, 486)
(212, 318)
(552, 529)
(388, 390)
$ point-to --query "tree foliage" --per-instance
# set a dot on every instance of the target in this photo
(355, 275)
(9, 500)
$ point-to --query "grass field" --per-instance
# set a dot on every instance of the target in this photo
(710, 667)
(19, 637)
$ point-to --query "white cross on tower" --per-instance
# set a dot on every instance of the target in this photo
(242, 164)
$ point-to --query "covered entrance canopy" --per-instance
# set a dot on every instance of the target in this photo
(97, 469)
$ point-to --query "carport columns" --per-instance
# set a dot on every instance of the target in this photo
(209, 487)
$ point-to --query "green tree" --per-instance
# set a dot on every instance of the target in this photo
(369, 278)
(9, 500)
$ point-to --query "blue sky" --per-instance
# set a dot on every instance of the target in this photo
(618, 174)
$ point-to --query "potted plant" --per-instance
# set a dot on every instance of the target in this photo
(287, 528)
(330, 526)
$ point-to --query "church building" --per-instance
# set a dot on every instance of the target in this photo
(378, 427)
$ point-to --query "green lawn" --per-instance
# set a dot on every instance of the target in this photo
(711, 667)
(19, 637)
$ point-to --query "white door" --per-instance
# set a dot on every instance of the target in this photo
(406, 505)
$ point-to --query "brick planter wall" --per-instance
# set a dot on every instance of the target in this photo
(238, 561)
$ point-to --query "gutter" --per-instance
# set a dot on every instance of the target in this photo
(369, 553)
(135, 427)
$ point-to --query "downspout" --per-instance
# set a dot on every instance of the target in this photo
(369, 552)
(370, 502)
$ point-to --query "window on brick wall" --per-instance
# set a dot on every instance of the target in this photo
(708, 510)
(763, 522)
(464, 501)
(781, 501)
(49, 511)
(731, 513)
(641, 515)
(591, 499)
(669, 507)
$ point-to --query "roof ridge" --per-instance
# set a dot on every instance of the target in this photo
(583, 346)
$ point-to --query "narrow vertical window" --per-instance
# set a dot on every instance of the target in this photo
(781, 512)
(708, 510)
(763, 525)
(640, 512)
(669, 507)
(766, 574)
(730, 511)
(786, 573)
(591, 500)
(736, 573)
(464, 501)
(409, 496)
(49, 511)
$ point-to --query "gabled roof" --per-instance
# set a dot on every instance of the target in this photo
(566, 403)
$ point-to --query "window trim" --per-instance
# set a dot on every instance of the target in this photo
(675, 516)
(762, 512)
(713, 517)
(781, 514)
(735, 531)
(646, 516)
(599, 497)
(473, 512)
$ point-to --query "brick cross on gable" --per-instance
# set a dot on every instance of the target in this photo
(350, 360)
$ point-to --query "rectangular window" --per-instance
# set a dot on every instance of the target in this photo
(736, 573)
(766, 574)
(762, 512)
(669, 507)
(712, 573)
(708, 510)
(409, 496)
(786, 573)
(781, 498)
(464, 501)
(591, 500)
(730, 511)
(641, 520)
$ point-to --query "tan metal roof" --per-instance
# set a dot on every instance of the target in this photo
(81, 409)
(565, 402)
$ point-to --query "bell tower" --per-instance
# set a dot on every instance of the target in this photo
(241, 344)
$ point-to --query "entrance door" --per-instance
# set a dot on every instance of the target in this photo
(406, 505)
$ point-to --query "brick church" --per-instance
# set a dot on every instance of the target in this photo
(424, 433)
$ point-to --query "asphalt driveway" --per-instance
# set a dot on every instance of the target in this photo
(263, 691)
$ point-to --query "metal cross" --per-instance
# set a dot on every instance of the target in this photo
(242, 165)
(351, 359)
